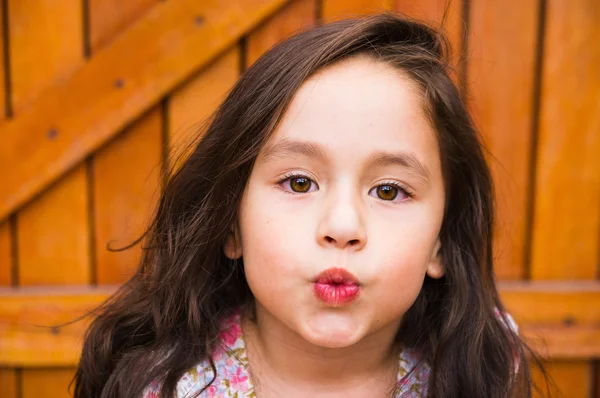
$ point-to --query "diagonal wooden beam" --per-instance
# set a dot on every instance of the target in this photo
(75, 117)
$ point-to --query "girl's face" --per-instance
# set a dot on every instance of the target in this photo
(351, 181)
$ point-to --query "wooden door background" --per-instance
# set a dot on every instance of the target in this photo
(97, 93)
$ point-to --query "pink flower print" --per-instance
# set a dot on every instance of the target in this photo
(238, 380)
(231, 334)
(212, 391)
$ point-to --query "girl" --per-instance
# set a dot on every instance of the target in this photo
(330, 236)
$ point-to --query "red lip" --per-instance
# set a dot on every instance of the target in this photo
(336, 286)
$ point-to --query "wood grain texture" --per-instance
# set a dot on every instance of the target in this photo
(8, 383)
(32, 333)
(126, 187)
(53, 235)
(297, 16)
(5, 229)
(570, 379)
(54, 26)
(500, 81)
(5, 254)
(109, 18)
(563, 324)
(126, 172)
(559, 319)
(339, 9)
(47, 383)
(566, 229)
(127, 78)
(192, 104)
(445, 15)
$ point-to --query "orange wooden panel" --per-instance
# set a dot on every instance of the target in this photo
(571, 333)
(166, 46)
(5, 254)
(46, 45)
(194, 102)
(126, 186)
(52, 234)
(2, 65)
(8, 383)
(47, 383)
(500, 81)
(436, 13)
(29, 336)
(296, 16)
(126, 172)
(53, 229)
(108, 18)
(340, 9)
(558, 319)
(569, 379)
(566, 229)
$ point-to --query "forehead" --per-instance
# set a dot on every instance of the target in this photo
(357, 107)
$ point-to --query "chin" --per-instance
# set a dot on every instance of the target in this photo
(332, 330)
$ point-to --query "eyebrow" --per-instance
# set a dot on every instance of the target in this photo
(285, 147)
(404, 159)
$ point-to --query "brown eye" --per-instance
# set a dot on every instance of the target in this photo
(387, 192)
(300, 184)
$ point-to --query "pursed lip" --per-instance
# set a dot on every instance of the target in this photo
(336, 287)
(336, 276)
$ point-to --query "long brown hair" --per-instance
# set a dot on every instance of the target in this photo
(165, 319)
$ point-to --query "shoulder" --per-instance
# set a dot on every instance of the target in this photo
(231, 365)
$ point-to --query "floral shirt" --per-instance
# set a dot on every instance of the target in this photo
(233, 379)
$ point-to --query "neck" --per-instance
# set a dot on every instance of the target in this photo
(274, 348)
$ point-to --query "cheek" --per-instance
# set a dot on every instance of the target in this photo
(273, 244)
(402, 260)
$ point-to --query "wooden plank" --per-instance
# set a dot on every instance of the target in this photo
(5, 254)
(109, 18)
(566, 303)
(433, 13)
(53, 26)
(47, 383)
(500, 80)
(127, 78)
(297, 16)
(573, 332)
(126, 172)
(572, 379)
(339, 9)
(558, 319)
(53, 236)
(8, 383)
(53, 239)
(126, 187)
(2, 66)
(566, 229)
(27, 317)
(192, 104)
(8, 377)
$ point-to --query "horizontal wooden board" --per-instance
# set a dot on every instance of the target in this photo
(27, 317)
(46, 383)
(66, 123)
(24, 341)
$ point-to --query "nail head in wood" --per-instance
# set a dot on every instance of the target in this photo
(52, 134)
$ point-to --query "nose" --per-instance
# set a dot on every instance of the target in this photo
(342, 225)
